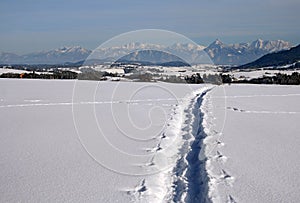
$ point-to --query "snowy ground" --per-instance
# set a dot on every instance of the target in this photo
(89, 141)
(147, 142)
(254, 155)
(259, 73)
(10, 70)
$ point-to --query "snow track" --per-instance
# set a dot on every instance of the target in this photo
(40, 103)
(196, 172)
(186, 180)
(190, 180)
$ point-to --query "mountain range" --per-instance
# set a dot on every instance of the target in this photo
(152, 57)
(151, 53)
(280, 58)
(219, 52)
(242, 53)
(56, 56)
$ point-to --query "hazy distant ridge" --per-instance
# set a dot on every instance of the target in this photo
(219, 52)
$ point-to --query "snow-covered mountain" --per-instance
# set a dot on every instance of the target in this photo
(220, 53)
(153, 57)
(186, 51)
(8, 58)
(116, 52)
(242, 53)
(56, 56)
(281, 58)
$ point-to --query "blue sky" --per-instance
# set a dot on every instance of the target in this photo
(33, 25)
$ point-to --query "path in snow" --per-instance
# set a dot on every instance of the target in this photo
(186, 180)
(190, 178)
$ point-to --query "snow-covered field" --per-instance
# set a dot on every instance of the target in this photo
(84, 141)
(10, 70)
(254, 155)
(89, 141)
(258, 73)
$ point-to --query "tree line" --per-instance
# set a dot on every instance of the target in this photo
(34, 75)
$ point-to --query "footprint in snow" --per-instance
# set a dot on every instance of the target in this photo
(150, 164)
(155, 149)
(186, 136)
(220, 157)
(139, 190)
(227, 178)
(225, 174)
(230, 199)
(220, 143)
(236, 109)
(215, 132)
(186, 128)
(142, 187)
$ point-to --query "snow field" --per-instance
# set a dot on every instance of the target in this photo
(253, 156)
(148, 142)
(74, 140)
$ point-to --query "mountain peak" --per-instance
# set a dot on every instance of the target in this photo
(257, 44)
(70, 47)
(218, 42)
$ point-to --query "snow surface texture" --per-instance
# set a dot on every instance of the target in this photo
(254, 156)
(74, 141)
(82, 141)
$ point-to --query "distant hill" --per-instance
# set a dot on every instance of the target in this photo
(276, 59)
